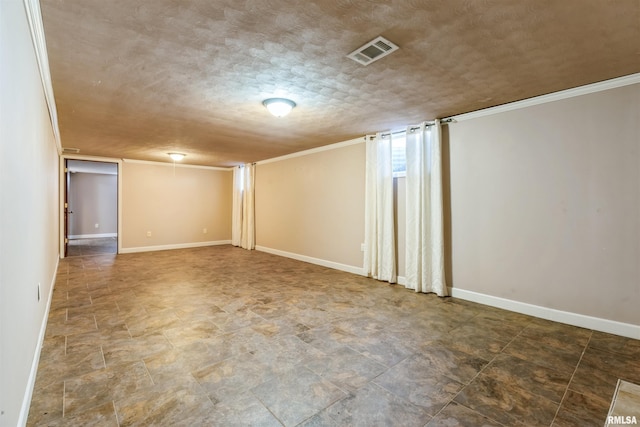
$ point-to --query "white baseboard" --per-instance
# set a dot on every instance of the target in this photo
(311, 260)
(91, 236)
(575, 319)
(175, 246)
(28, 394)
(597, 324)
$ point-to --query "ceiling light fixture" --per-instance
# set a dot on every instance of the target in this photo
(279, 107)
(176, 156)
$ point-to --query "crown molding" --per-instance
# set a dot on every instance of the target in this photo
(551, 97)
(178, 165)
(335, 146)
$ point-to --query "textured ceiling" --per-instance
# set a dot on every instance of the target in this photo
(139, 78)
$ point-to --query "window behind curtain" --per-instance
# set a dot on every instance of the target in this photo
(398, 156)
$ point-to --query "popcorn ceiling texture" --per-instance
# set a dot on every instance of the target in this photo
(138, 79)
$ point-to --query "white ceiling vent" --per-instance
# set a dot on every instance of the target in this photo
(372, 51)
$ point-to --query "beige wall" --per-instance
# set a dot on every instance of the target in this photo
(545, 204)
(542, 205)
(93, 199)
(313, 205)
(28, 209)
(175, 205)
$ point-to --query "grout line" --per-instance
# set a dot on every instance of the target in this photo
(206, 394)
(271, 412)
(103, 358)
(566, 390)
(115, 411)
(128, 331)
(476, 412)
(476, 376)
(173, 346)
(64, 392)
(467, 384)
(148, 373)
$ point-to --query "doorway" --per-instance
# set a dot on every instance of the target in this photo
(90, 207)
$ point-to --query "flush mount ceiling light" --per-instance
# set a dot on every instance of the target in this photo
(176, 156)
(279, 107)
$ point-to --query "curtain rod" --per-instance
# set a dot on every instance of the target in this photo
(444, 121)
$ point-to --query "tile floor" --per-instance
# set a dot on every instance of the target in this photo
(221, 336)
(98, 246)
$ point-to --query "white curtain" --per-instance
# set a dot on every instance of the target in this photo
(379, 239)
(424, 229)
(236, 210)
(248, 235)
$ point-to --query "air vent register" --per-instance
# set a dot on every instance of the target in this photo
(376, 49)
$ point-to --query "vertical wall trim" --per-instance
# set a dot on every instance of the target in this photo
(34, 17)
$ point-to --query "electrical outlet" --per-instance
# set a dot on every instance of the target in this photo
(97, 225)
(204, 231)
(148, 234)
(361, 247)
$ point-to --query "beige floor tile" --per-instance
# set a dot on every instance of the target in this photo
(456, 415)
(224, 336)
(625, 404)
(297, 395)
(372, 405)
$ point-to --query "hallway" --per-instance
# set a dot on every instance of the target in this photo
(99, 246)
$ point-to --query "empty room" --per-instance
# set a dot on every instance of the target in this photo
(321, 213)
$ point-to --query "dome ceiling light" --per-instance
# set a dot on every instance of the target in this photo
(279, 107)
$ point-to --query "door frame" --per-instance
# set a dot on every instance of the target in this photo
(65, 209)
(62, 180)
